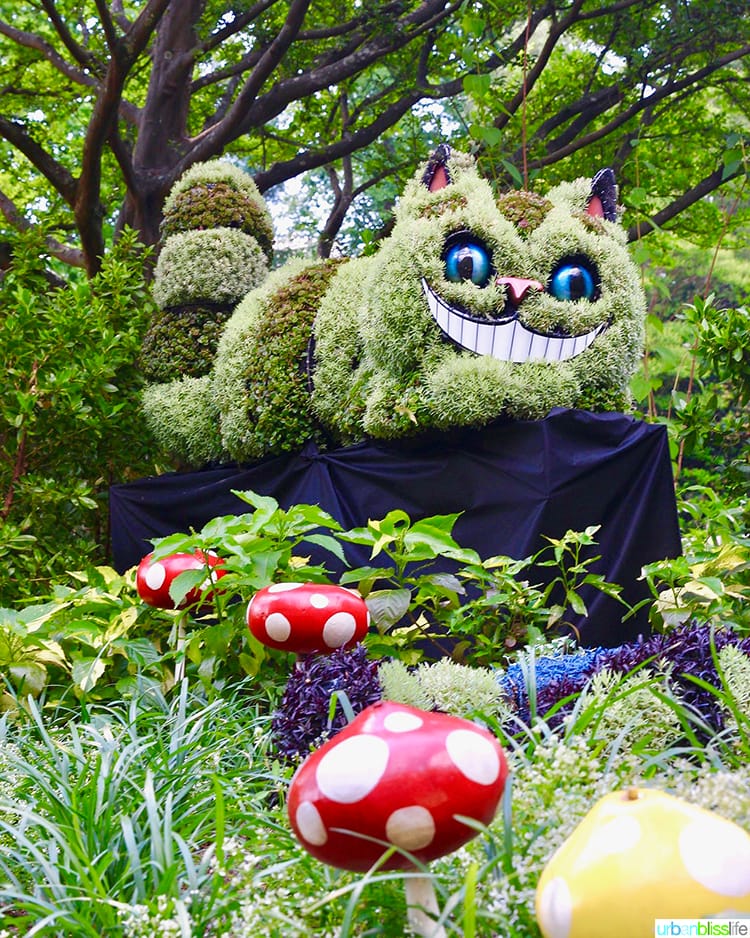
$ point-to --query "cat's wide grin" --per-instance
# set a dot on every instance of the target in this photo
(507, 340)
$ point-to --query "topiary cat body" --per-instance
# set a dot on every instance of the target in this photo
(474, 308)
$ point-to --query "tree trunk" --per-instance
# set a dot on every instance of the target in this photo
(162, 141)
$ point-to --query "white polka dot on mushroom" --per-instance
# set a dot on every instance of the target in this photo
(616, 836)
(156, 574)
(339, 629)
(401, 722)
(284, 587)
(350, 770)
(555, 909)
(716, 854)
(310, 824)
(411, 828)
(474, 756)
(318, 600)
(278, 627)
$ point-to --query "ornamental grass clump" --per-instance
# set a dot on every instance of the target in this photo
(446, 686)
(686, 653)
(116, 822)
(632, 709)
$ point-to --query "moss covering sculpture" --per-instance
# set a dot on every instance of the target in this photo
(217, 241)
(475, 308)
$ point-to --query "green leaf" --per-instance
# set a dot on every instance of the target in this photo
(86, 672)
(122, 623)
(472, 25)
(185, 582)
(330, 543)
(29, 677)
(636, 196)
(514, 172)
(492, 136)
(477, 85)
(387, 607)
(576, 603)
(139, 651)
(217, 638)
(265, 503)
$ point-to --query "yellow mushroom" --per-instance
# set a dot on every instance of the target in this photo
(641, 855)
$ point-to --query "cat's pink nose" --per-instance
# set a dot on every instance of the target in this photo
(518, 287)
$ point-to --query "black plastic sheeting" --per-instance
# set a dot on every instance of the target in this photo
(514, 482)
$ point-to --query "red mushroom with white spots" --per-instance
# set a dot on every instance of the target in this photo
(308, 618)
(153, 578)
(402, 776)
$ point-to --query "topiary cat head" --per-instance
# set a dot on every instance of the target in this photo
(475, 308)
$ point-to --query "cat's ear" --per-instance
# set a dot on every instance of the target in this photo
(436, 176)
(602, 200)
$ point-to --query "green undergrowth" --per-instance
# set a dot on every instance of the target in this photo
(165, 816)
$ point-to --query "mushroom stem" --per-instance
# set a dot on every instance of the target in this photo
(179, 668)
(422, 907)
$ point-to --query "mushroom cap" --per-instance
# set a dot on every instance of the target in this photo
(154, 577)
(308, 618)
(639, 855)
(396, 775)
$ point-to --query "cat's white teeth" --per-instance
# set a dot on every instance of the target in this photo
(507, 340)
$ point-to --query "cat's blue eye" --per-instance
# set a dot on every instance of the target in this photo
(467, 259)
(573, 281)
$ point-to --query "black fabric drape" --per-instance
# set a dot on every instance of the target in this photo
(514, 482)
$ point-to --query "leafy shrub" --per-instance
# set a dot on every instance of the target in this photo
(121, 818)
(710, 582)
(696, 380)
(69, 410)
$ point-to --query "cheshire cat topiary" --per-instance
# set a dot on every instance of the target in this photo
(475, 308)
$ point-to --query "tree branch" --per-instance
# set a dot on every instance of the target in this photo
(251, 111)
(312, 159)
(84, 57)
(124, 53)
(69, 255)
(707, 185)
(55, 173)
(648, 101)
(32, 41)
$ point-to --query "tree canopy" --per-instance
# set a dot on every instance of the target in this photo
(104, 105)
